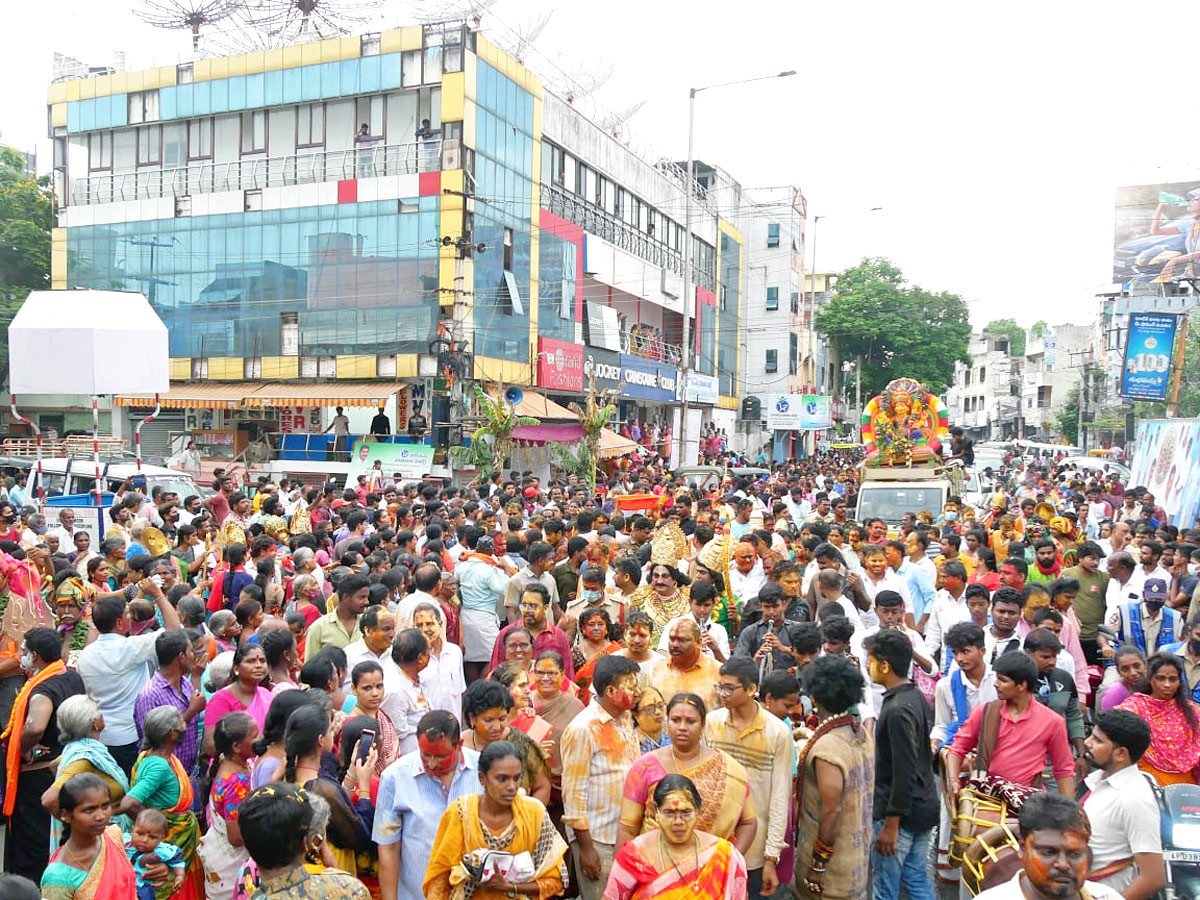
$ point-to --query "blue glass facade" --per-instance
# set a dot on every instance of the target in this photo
(302, 84)
(504, 188)
(357, 278)
(557, 282)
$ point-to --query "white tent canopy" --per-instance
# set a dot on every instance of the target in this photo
(87, 342)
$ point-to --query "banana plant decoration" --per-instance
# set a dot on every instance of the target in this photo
(499, 420)
(597, 411)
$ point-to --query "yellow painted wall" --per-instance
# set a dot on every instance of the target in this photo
(501, 370)
(397, 40)
(280, 367)
(406, 365)
(356, 367)
(181, 368)
(58, 259)
(221, 368)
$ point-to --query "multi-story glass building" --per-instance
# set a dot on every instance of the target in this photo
(370, 219)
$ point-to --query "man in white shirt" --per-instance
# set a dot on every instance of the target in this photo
(1053, 850)
(378, 630)
(442, 680)
(1149, 555)
(1121, 588)
(410, 652)
(714, 639)
(970, 684)
(427, 578)
(881, 577)
(948, 609)
(746, 575)
(1001, 636)
(1126, 841)
(115, 667)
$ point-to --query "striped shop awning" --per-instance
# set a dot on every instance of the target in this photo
(240, 394)
(210, 395)
(351, 394)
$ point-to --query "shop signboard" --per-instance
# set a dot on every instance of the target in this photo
(702, 388)
(560, 365)
(647, 379)
(1168, 450)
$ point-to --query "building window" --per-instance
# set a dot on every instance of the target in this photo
(508, 250)
(254, 132)
(772, 298)
(369, 111)
(967, 377)
(143, 107)
(772, 361)
(289, 334)
(186, 73)
(773, 234)
(795, 303)
(100, 151)
(982, 374)
(200, 139)
(310, 125)
(149, 145)
(793, 354)
(370, 45)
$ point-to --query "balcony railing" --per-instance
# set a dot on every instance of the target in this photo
(254, 174)
(592, 218)
(649, 347)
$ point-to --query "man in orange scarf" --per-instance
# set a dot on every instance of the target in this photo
(32, 747)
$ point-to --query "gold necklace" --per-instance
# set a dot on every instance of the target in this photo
(694, 884)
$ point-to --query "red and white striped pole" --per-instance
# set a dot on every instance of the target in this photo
(41, 488)
(137, 432)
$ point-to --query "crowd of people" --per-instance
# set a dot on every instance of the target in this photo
(513, 688)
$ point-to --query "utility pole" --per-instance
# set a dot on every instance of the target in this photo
(1177, 375)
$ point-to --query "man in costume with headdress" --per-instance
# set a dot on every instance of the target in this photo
(712, 564)
(667, 595)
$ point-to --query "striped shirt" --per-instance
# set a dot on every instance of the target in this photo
(597, 751)
(764, 748)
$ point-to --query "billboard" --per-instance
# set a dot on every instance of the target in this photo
(1154, 225)
(797, 412)
(1168, 451)
(412, 462)
(1149, 349)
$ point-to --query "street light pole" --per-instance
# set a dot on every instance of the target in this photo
(689, 301)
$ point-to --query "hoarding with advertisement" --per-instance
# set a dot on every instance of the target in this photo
(560, 365)
(799, 412)
(1168, 452)
(411, 461)
(1149, 350)
(1154, 224)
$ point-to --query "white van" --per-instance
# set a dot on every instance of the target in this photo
(77, 475)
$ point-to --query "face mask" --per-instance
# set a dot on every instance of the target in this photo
(1153, 606)
(592, 596)
(951, 516)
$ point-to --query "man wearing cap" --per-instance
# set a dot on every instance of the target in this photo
(1149, 625)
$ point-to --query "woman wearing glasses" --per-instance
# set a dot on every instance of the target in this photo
(725, 810)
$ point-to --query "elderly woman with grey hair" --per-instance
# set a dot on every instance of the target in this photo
(307, 598)
(161, 782)
(79, 725)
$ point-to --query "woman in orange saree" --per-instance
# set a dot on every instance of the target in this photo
(675, 861)
(91, 863)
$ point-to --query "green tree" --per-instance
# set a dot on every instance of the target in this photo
(1067, 419)
(896, 329)
(26, 217)
(1038, 328)
(1015, 333)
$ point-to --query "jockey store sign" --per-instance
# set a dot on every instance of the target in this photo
(644, 379)
(560, 365)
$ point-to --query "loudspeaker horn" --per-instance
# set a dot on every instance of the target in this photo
(514, 395)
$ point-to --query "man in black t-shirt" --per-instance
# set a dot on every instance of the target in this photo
(963, 446)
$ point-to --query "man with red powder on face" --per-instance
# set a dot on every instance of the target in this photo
(1054, 855)
(413, 793)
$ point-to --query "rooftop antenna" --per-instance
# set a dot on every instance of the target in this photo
(190, 14)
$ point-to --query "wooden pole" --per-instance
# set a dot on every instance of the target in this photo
(1177, 362)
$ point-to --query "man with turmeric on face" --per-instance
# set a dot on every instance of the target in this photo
(1054, 854)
